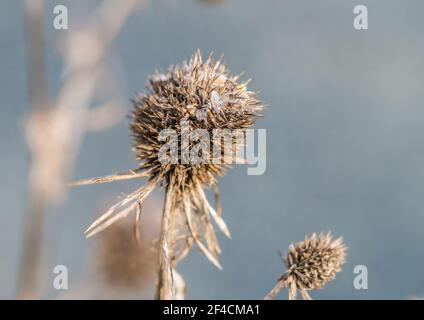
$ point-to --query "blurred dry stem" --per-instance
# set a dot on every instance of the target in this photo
(165, 286)
(54, 132)
(34, 219)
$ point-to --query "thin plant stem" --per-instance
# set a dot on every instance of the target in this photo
(164, 283)
(66, 120)
(274, 291)
(36, 204)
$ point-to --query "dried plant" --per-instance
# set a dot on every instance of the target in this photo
(122, 262)
(310, 264)
(54, 129)
(206, 96)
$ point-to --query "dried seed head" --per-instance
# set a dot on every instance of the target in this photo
(315, 261)
(311, 263)
(206, 96)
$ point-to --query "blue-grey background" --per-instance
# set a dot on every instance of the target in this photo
(345, 133)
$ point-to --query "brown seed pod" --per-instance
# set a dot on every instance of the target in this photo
(311, 264)
(202, 95)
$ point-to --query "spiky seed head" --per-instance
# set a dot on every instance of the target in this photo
(315, 261)
(205, 95)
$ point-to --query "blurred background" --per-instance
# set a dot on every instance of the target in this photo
(344, 127)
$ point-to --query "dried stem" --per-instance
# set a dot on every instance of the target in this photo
(110, 178)
(54, 132)
(274, 291)
(288, 282)
(164, 290)
(36, 203)
(180, 286)
(137, 224)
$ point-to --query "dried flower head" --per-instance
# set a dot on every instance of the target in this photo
(194, 97)
(201, 95)
(310, 264)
